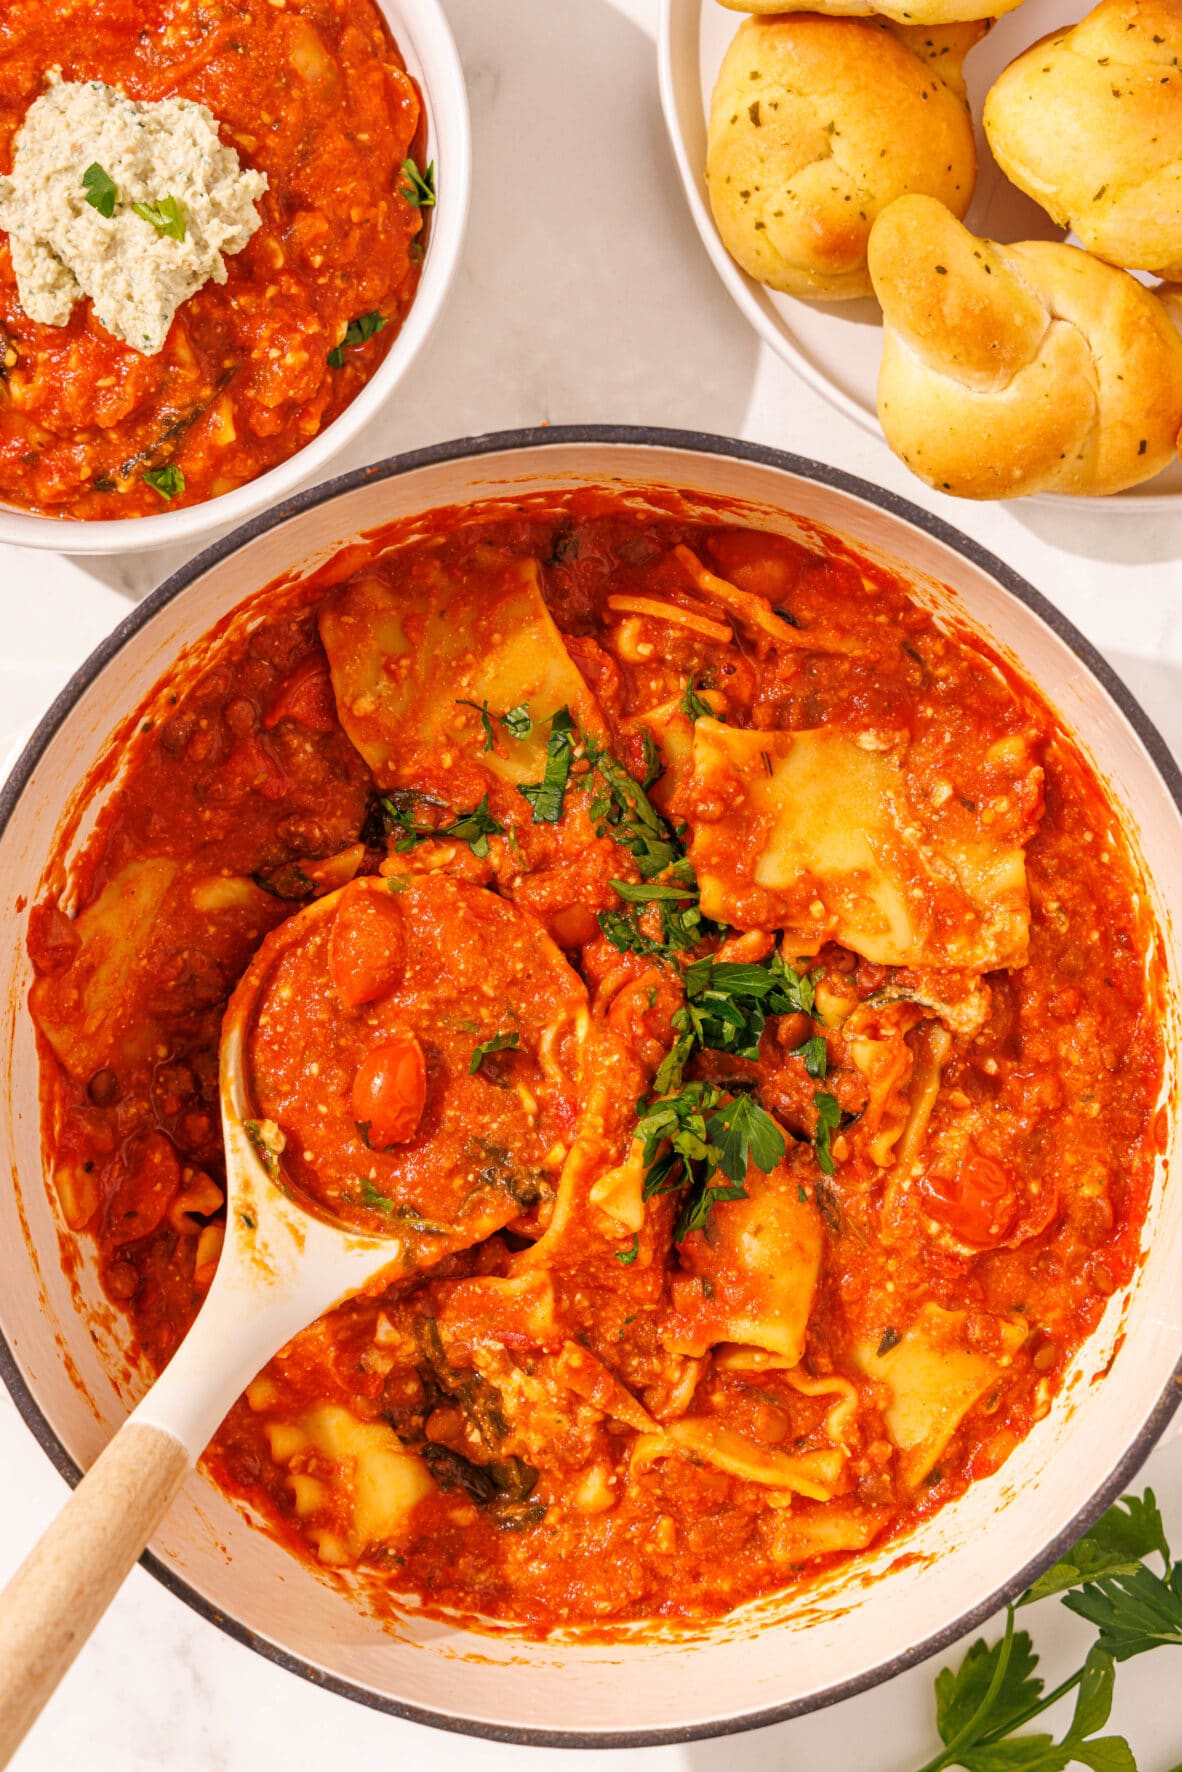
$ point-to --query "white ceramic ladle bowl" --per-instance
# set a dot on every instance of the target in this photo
(768, 1661)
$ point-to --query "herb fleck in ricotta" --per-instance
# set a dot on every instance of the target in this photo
(135, 272)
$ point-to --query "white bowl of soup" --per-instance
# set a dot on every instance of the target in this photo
(358, 118)
(838, 835)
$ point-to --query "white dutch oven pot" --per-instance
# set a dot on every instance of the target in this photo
(771, 1660)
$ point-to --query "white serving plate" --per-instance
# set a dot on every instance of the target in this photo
(424, 39)
(836, 346)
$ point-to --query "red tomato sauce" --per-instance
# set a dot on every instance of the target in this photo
(315, 95)
(571, 1422)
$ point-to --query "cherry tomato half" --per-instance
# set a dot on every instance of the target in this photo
(389, 1092)
(978, 1204)
(366, 947)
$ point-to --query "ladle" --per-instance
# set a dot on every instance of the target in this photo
(280, 1268)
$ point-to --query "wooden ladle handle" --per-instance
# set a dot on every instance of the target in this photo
(67, 1581)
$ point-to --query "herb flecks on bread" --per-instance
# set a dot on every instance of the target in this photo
(1023, 368)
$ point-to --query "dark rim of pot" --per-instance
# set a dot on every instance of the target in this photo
(637, 437)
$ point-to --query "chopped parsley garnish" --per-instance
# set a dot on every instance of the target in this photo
(168, 481)
(705, 1138)
(654, 769)
(419, 189)
(366, 326)
(815, 1055)
(828, 1118)
(627, 1256)
(727, 1002)
(682, 923)
(691, 703)
(547, 797)
(474, 828)
(516, 721)
(498, 1043)
(101, 190)
(165, 215)
(623, 811)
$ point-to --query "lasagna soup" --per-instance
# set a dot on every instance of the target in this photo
(733, 989)
(310, 94)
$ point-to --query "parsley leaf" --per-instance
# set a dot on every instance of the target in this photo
(995, 1686)
(419, 189)
(728, 1001)
(744, 1131)
(475, 828)
(168, 481)
(165, 215)
(1134, 1612)
(498, 1043)
(357, 332)
(547, 797)
(517, 722)
(1131, 1530)
(691, 703)
(828, 1117)
(101, 190)
(627, 1256)
(650, 892)
(816, 1056)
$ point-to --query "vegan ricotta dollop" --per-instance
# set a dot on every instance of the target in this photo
(132, 204)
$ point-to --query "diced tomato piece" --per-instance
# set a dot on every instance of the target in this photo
(390, 1092)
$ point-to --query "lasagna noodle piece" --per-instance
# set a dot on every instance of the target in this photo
(406, 655)
(815, 1474)
(754, 1278)
(934, 1380)
(332, 1456)
(816, 833)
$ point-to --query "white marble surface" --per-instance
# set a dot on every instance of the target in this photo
(584, 296)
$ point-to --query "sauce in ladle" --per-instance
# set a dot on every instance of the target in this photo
(412, 1061)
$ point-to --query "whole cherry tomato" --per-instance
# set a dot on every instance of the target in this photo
(978, 1204)
(390, 1091)
(366, 947)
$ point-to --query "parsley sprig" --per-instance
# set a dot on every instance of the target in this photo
(692, 1137)
(983, 1704)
